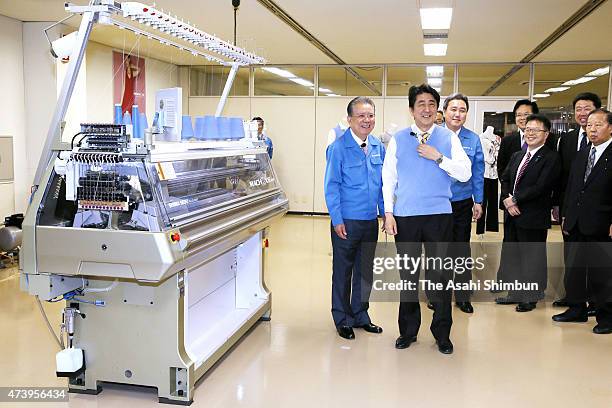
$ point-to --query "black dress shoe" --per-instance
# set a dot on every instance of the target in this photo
(465, 307)
(525, 306)
(507, 300)
(403, 342)
(599, 329)
(560, 303)
(571, 316)
(591, 311)
(346, 332)
(371, 328)
(445, 346)
(430, 306)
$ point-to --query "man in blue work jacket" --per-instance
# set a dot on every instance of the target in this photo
(353, 194)
(262, 136)
(467, 196)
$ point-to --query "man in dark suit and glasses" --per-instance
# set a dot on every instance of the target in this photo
(515, 141)
(508, 146)
(587, 222)
(569, 145)
(527, 185)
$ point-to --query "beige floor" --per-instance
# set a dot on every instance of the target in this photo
(501, 359)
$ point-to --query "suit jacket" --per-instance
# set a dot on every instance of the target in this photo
(511, 144)
(588, 206)
(533, 194)
(507, 147)
(567, 149)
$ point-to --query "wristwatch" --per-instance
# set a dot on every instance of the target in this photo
(439, 159)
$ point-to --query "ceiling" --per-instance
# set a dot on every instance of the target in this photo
(363, 31)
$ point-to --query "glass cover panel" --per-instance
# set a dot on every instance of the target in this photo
(194, 185)
(95, 192)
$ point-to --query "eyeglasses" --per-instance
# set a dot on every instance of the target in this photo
(533, 131)
(522, 115)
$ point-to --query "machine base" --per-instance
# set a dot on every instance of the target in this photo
(97, 391)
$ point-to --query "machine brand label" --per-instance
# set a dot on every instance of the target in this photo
(261, 181)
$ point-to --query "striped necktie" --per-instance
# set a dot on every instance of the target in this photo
(521, 171)
(583, 141)
(425, 137)
(590, 164)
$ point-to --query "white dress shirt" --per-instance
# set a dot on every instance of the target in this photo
(358, 140)
(458, 166)
(599, 150)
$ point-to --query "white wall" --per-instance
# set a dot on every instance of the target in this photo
(12, 105)
(40, 91)
(290, 124)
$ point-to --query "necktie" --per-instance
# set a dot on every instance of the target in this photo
(424, 137)
(524, 146)
(521, 171)
(590, 164)
(364, 147)
(583, 141)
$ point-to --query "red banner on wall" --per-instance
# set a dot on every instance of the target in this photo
(129, 81)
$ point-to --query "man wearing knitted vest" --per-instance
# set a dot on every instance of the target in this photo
(418, 171)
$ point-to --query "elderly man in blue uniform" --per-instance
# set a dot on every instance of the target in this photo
(353, 194)
(418, 171)
(467, 197)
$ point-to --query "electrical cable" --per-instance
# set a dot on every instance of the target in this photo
(74, 137)
(44, 315)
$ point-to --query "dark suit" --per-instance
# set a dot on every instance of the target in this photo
(568, 148)
(526, 262)
(511, 144)
(587, 217)
(508, 146)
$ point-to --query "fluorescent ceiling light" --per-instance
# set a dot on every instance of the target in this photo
(435, 50)
(579, 81)
(599, 72)
(434, 81)
(435, 70)
(436, 18)
(541, 95)
(301, 81)
(332, 94)
(325, 90)
(557, 89)
(279, 72)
